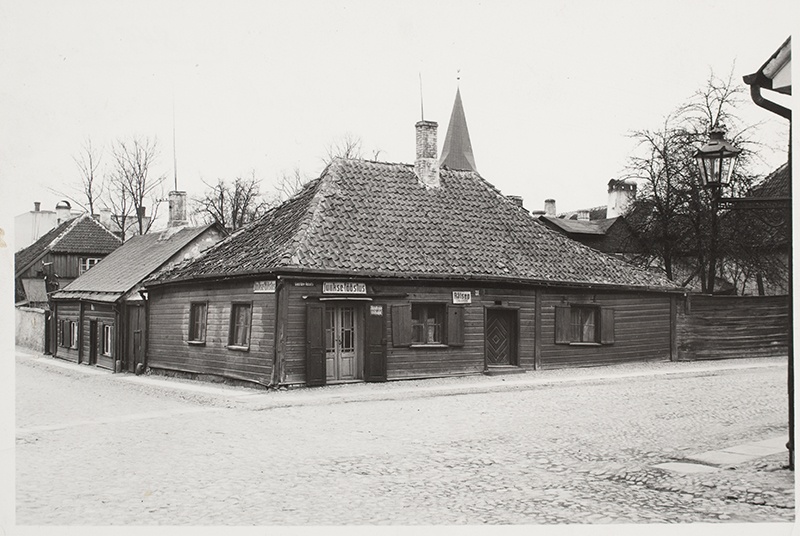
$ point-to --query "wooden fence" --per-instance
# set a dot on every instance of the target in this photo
(724, 327)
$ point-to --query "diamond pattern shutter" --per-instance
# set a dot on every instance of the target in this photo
(455, 325)
(375, 364)
(607, 326)
(315, 345)
(562, 324)
(401, 325)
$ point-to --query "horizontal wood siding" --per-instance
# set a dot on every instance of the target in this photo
(168, 346)
(641, 329)
(411, 362)
(65, 265)
(104, 314)
(724, 327)
(70, 311)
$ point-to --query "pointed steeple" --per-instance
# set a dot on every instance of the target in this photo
(457, 150)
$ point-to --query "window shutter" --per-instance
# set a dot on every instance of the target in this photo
(455, 325)
(401, 325)
(316, 372)
(562, 324)
(607, 326)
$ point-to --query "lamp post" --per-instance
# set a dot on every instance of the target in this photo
(716, 160)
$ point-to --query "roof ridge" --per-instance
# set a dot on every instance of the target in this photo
(67, 229)
(313, 213)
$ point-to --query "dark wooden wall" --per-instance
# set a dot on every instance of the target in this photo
(104, 314)
(724, 327)
(66, 311)
(168, 331)
(642, 329)
(405, 362)
(65, 265)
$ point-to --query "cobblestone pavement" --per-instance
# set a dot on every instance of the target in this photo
(94, 450)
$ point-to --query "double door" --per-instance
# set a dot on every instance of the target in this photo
(341, 343)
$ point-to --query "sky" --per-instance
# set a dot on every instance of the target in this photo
(551, 89)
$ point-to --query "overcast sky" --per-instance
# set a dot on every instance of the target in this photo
(551, 89)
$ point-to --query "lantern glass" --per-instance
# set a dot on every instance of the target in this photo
(716, 160)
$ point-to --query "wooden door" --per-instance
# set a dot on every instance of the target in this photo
(315, 345)
(93, 340)
(341, 343)
(501, 337)
(135, 337)
(375, 361)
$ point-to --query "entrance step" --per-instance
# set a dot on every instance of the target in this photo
(496, 370)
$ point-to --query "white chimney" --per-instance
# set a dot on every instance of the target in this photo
(583, 215)
(550, 207)
(63, 211)
(177, 209)
(105, 219)
(620, 196)
(426, 165)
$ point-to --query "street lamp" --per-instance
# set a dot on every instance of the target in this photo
(716, 160)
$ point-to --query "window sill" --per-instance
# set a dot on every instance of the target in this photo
(436, 345)
(239, 348)
(196, 343)
(585, 344)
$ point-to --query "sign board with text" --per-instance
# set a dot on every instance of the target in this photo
(462, 296)
(343, 287)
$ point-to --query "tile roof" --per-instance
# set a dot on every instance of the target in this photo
(131, 263)
(776, 184)
(372, 218)
(597, 227)
(83, 234)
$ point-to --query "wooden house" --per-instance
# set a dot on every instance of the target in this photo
(59, 256)
(100, 318)
(381, 271)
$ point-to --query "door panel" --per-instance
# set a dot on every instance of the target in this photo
(500, 337)
(341, 343)
(375, 363)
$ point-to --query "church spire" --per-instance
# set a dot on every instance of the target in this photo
(457, 150)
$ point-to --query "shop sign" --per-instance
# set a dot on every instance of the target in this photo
(376, 310)
(303, 284)
(343, 287)
(264, 286)
(462, 296)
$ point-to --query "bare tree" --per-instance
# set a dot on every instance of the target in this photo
(348, 146)
(133, 178)
(289, 184)
(678, 226)
(232, 205)
(90, 186)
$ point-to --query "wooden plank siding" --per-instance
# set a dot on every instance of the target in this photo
(419, 362)
(642, 329)
(725, 327)
(70, 312)
(104, 314)
(67, 266)
(168, 346)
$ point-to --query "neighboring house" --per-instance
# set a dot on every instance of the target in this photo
(100, 318)
(30, 226)
(379, 271)
(758, 229)
(603, 228)
(58, 257)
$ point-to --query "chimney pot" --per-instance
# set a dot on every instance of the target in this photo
(550, 207)
(36, 206)
(583, 215)
(517, 199)
(426, 165)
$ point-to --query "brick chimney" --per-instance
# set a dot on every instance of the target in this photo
(620, 195)
(177, 209)
(426, 165)
(550, 207)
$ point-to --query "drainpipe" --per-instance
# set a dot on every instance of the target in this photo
(758, 98)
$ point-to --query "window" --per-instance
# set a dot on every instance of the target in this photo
(239, 335)
(427, 323)
(73, 339)
(434, 324)
(63, 333)
(584, 324)
(197, 322)
(108, 335)
(88, 262)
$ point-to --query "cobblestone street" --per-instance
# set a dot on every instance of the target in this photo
(98, 449)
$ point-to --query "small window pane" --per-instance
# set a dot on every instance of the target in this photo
(583, 324)
(427, 321)
(240, 325)
(197, 322)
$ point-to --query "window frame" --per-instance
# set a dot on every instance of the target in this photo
(74, 335)
(439, 316)
(193, 337)
(107, 344)
(86, 264)
(577, 330)
(604, 324)
(233, 344)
